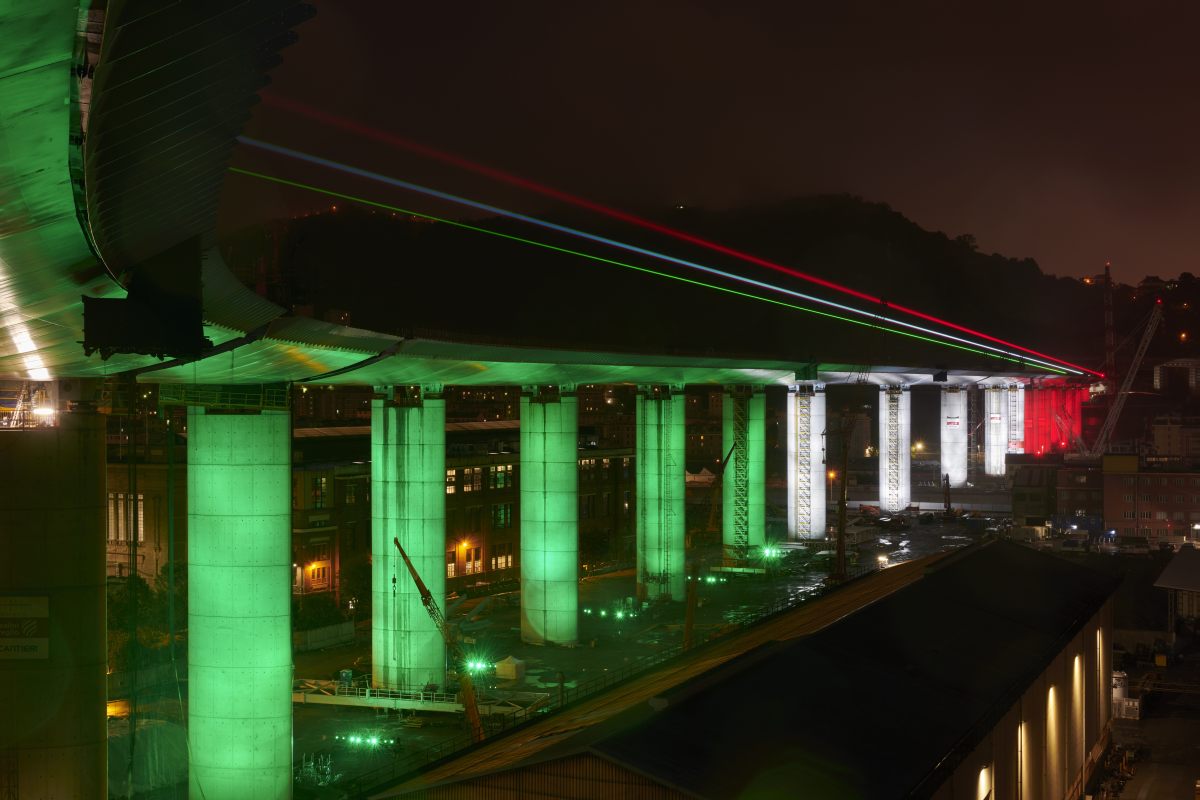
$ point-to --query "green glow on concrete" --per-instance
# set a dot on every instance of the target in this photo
(636, 268)
(53, 736)
(549, 520)
(660, 494)
(754, 452)
(408, 502)
(239, 604)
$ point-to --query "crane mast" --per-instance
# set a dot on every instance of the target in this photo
(465, 687)
(1110, 422)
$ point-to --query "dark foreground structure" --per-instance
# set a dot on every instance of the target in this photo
(987, 676)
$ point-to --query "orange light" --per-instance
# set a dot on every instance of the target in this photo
(832, 474)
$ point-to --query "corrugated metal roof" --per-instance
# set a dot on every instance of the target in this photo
(1183, 572)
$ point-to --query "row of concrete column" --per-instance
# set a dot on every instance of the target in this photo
(239, 556)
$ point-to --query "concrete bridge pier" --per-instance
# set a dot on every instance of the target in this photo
(807, 461)
(954, 435)
(661, 483)
(995, 429)
(895, 457)
(549, 515)
(53, 739)
(744, 483)
(1016, 417)
(239, 604)
(408, 502)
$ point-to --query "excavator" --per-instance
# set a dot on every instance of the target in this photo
(466, 688)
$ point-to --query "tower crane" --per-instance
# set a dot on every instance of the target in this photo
(1114, 412)
(465, 687)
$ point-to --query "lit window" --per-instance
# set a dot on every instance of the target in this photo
(472, 480)
(500, 476)
(502, 556)
(451, 562)
(502, 515)
(120, 517)
(450, 476)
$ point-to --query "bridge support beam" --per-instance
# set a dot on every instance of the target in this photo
(53, 740)
(239, 604)
(954, 435)
(660, 487)
(743, 486)
(995, 429)
(408, 502)
(895, 457)
(806, 461)
(549, 516)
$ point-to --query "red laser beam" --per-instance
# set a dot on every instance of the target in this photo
(383, 137)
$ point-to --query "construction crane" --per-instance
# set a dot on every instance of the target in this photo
(1114, 411)
(465, 687)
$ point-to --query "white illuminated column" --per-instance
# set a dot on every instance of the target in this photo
(995, 429)
(661, 484)
(239, 604)
(743, 485)
(895, 458)
(954, 435)
(807, 461)
(408, 502)
(1015, 394)
(549, 517)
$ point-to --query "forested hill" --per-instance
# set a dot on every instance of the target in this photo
(398, 274)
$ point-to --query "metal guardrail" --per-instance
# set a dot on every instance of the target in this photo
(254, 397)
(360, 786)
(395, 694)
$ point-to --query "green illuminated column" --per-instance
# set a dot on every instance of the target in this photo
(239, 604)
(408, 502)
(743, 485)
(549, 516)
(53, 738)
(660, 492)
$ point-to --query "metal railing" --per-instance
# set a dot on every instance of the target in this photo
(250, 397)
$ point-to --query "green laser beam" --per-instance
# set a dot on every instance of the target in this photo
(625, 265)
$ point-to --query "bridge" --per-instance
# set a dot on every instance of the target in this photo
(115, 130)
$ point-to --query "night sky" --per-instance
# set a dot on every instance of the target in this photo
(1062, 132)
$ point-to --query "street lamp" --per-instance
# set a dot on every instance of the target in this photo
(832, 475)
